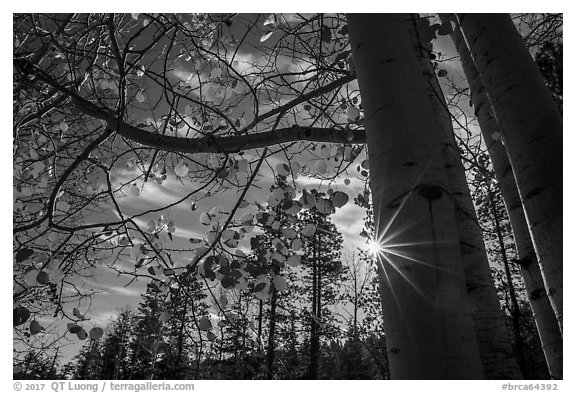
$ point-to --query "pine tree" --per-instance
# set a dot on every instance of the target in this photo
(115, 348)
(323, 277)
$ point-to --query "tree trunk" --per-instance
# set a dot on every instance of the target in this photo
(427, 317)
(532, 133)
(514, 306)
(496, 350)
(314, 329)
(548, 330)
(271, 334)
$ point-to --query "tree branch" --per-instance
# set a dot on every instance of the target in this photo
(206, 144)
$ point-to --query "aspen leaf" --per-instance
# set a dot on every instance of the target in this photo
(140, 97)
(181, 169)
(35, 327)
(442, 73)
(324, 206)
(295, 208)
(339, 199)
(282, 169)
(82, 335)
(352, 113)
(228, 234)
(297, 245)
(309, 230)
(216, 72)
(294, 260)
(242, 165)
(217, 212)
(325, 152)
(23, 254)
(266, 36)
(223, 300)
(73, 328)
(204, 324)
(134, 191)
(321, 167)
(42, 278)
(279, 283)
(347, 182)
(77, 314)
(307, 200)
(496, 135)
(247, 219)
(96, 333)
(273, 201)
(20, 315)
(231, 243)
(30, 278)
(210, 336)
(34, 154)
(289, 233)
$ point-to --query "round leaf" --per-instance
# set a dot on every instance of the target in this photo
(279, 283)
(181, 169)
(339, 199)
(321, 167)
(42, 278)
(134, 191)
(324, 206)
(309, 230)
(283, 169)
(204, 324)
(20, 315)
(352, 113)
(294, 260)
(96, 333)
(35, 327)
(82, 335)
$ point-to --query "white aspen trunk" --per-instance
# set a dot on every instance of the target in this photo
(427, 315)
(496, 352)
(532, 134)
(548, 330)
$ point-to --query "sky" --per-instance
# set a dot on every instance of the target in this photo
(114, 295)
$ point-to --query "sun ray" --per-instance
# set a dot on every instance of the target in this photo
(414, 259)
(403, 275)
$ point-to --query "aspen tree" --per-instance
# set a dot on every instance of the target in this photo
(427, 315)
(531, 129)
(548, 330)
(494, 343)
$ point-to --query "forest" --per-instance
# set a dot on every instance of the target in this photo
(287, 196)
